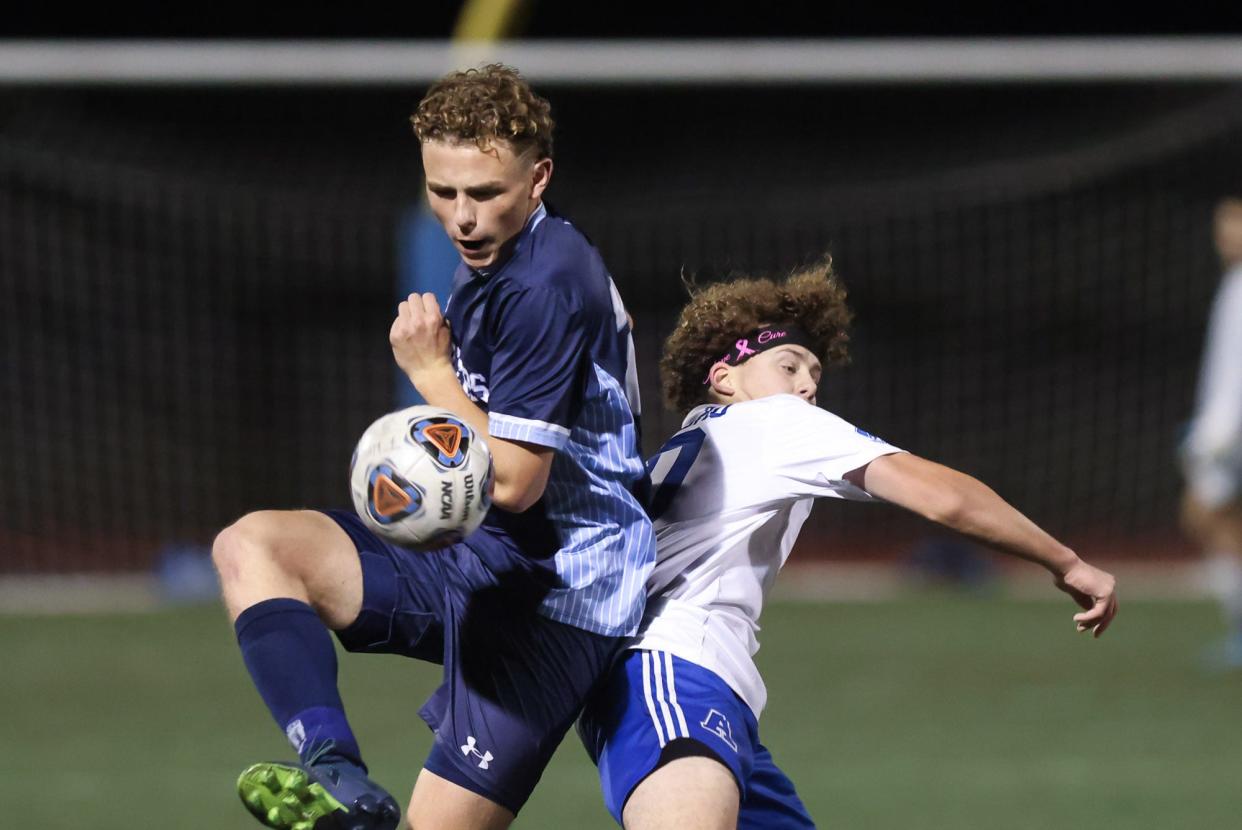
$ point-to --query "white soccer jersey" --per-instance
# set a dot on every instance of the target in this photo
(1212, 452)
(731, 491)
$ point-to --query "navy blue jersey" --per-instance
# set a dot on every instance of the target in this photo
(542, 343)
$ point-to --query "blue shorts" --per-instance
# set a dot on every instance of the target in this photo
(514, 681)
(652, 699)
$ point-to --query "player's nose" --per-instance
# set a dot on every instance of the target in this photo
(806, 388)
(463, 216)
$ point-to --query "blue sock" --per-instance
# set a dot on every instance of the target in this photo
(291, 659)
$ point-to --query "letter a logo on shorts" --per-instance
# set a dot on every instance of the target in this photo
(718, 725)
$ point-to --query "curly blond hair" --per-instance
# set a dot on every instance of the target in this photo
(811, 298)
(485, 105)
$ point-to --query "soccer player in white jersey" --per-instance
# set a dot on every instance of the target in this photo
(1212, 451)
(674, 730)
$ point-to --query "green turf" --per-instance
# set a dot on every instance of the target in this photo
(930, 713)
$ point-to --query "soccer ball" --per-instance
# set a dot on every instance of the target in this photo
(421, 477)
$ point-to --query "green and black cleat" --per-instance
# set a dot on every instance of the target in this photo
(331, 794)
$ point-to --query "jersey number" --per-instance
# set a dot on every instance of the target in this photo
(687, 445)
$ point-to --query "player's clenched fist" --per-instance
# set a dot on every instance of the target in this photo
(420, 336)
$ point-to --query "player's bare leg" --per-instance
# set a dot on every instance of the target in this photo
(302, 555)
(694, 793)
(439, 804)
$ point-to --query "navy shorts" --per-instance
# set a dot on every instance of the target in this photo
(652, 699)
(514, 681)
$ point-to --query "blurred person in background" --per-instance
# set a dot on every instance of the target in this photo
(674, 730)
(1212, 452)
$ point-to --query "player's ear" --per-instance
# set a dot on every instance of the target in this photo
(720, 378)
(541, 174)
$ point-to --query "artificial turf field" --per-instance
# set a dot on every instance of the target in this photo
(932, 712)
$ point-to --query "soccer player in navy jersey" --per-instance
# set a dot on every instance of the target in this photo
(533, 349)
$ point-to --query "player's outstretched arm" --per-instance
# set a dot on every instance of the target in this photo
(969, 506)
(420, 343)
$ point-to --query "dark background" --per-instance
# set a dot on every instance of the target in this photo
(565, 19)
(196, 284)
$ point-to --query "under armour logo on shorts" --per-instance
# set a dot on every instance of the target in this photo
(468, 748)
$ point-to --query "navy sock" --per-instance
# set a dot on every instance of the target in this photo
(291, 659)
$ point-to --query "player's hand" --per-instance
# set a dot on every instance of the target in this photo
(420, 337)
(1095, 591)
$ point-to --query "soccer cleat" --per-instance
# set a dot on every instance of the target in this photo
(330, 794)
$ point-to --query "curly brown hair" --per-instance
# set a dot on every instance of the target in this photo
(811, 298)
(484, 105)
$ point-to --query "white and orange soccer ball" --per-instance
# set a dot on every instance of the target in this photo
(421, 477)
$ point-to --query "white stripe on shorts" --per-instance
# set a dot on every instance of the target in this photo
(672, 695)
(670, 728)
(655, 719)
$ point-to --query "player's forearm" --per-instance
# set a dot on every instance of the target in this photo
(985, 516)
(967, 505)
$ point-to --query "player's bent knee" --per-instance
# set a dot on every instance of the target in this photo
(300, 554)
(254, 536)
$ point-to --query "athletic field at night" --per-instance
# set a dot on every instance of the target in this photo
(932, 711)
